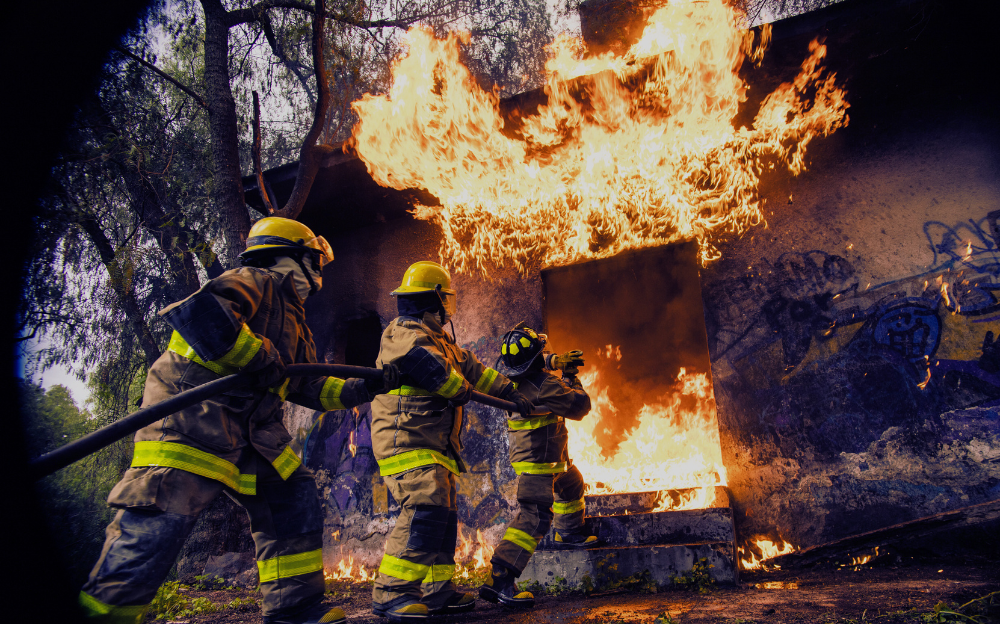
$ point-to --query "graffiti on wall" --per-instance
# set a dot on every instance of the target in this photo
(822, 358)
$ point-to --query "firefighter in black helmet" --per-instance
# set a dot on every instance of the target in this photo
(548, 484)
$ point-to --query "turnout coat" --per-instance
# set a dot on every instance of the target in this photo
(538, 444)
(241, 320)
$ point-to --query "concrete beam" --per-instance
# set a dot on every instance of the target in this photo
(665, 527)
(640, 502)
(602, 569)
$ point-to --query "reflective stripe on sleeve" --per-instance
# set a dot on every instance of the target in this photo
(247, 345)
(286, 463)
(531, 423)
(403, 569)
(486, 380)
(329, 396)
(190, 459)
(285, 566)
(568, 508)
(441, 572)
(521, 538)
(94, 608)
(414, 459)
(410, 391)
(451, 387)
(533, 468)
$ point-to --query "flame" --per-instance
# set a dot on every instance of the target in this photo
(629, 151)
(345, 571)
(768, 550)
(698, 498)
(474, 555)
(674, 446)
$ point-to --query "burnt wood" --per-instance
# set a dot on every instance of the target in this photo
(658, 528)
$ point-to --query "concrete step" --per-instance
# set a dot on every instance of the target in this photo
(640, 502)
(693, 526)
(632, 567)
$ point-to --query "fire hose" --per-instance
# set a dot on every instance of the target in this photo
(92, 442)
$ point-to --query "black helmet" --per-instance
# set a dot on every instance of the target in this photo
(518, 349)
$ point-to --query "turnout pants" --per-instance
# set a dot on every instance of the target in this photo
(544, 499)
(145, 537)
(419, 560)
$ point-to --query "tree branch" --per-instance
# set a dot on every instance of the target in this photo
(159, 72)
(261, 186)
(312, 154)
(279, 51)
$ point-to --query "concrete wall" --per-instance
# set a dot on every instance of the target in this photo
(823, 325)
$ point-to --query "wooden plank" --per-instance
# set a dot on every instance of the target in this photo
(886, 536)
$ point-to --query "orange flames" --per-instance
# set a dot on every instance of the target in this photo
(674, 446)
(628, 152)
(472, 556)
(767, 549)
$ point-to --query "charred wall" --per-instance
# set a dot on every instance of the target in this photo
(852, 392)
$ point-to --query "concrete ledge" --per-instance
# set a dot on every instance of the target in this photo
(599, 569)
(692, 526)
(641, 502)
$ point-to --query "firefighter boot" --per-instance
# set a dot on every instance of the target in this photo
(500, 588)
(401, 609)
(317, 614)
(576, 540)
(459, 603)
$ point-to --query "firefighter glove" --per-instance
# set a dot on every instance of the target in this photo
(570, 362)
(524, 406)
(356, 391)
(389, 380)
(267, 376)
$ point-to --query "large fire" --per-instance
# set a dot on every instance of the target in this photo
(675, 445)
(630, 151)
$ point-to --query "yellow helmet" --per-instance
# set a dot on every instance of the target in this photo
(277, 233)
(427, 276)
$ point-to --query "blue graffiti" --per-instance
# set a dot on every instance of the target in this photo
(971, 245)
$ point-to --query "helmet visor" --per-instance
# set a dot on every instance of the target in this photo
(450, 303)
(323, 248)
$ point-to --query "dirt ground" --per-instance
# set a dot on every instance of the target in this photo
(904, 594)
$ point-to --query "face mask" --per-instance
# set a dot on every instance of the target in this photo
(286, 265)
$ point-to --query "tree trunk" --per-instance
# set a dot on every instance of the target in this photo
(118, 283)
(227, 185)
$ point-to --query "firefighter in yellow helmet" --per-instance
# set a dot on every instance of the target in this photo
(548, 484)
(415, 438)
(249, 320)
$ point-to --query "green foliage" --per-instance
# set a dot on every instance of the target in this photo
(206, 582)
(664, 618)
(982, 610)
(73, 499)
(170, 603)
(698, 579)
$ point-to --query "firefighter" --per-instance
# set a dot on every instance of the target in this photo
(415, 438)
(547, 481)
(249, 320)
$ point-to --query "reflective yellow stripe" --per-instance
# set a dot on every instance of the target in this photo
(410, 391)
(486, 380)
(533, 468)
(531, 423)
(94, 608)
(285, 566)
(190, 459)
(282, 390)
(451, 387)
(247, 345)
(180, 346)
(568, 508)
(520, 538)
(329, 396)
(438, 573)
(286, 463)
(403, 569)
(414, 459)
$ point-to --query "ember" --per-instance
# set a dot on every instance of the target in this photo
(767, 549)
(629, 152)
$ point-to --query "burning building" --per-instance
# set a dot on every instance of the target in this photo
(808, 333)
